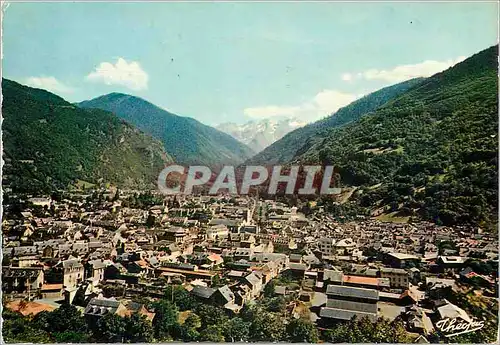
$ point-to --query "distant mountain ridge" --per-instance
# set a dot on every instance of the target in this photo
(49, 143)
(186, 139)
(259, 134)
(283, 150)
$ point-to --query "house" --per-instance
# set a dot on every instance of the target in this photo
(100, 306)
(254, 283)
(399, 278)
(42, 202)
(448, 314)
(202, 292)
(236, 275)
(344, 246)
(280, 290)
(95, 270)
(362, 282)
(251, 229)
(233, 225)
(400, 260)
(217, 231)
(22, 280)
(296, 270)
(437, 288)
(332, 277)
(446, 263)
(52, 291)
(114, 270)
(326, 246)
(26, 261)
(73, 273)
(175, 234)
(224, 297)
(418, 321)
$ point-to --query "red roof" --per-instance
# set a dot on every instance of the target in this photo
(52, 287)
(29, 308)
(361, 280)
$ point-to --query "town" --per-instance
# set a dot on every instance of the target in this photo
(119, 253)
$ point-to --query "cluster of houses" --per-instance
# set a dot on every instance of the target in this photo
(102, 255)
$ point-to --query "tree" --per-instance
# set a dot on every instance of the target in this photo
(138, 329)
(184, 333)
(302, 331)
(165, 318)
(267, 326)
(17, 329)
(181, 297)
(212, 333)
(269, 288)
(193, 321)
(277, 305)
(66, 318)
(111, 328)
(211, 315)
(236, 330)
(71, 337)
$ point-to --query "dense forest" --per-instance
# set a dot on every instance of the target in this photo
(431, 153)
(49, 143)
(186, 139)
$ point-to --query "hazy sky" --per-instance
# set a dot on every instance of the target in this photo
(220, 62)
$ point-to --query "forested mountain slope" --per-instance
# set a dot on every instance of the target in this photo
(187, 140)
(433, 152)
(49, 143)
(286, 148)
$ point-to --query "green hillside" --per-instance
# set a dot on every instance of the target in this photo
(49, 143)
(433, 152)
(187, 140)
(295, 142)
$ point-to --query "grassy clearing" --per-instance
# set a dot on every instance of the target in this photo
(392, 218)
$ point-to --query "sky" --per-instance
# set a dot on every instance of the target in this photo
(235, 62)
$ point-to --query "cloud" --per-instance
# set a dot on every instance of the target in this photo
(48, 83)
(329, 101)
(123, 73)
(404, 72)
(322, 104)
(347, 77)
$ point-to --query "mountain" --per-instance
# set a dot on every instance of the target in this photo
(260, 134)
(285, 149)
(48, 143)
(430, 153)
(187, 140)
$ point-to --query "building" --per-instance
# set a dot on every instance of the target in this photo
(399, 278)
(400, 260)
(217, 231)
(100, 306)
(175, 234)
(345, 302)
(73, 273)
(331, 247)
(326, 246)
(95, 270)
(254, 283)
(22, 280)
